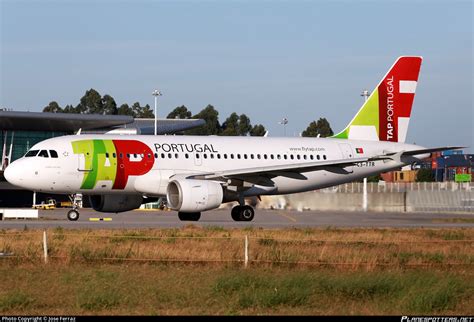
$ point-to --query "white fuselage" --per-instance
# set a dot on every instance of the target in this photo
(151, 162)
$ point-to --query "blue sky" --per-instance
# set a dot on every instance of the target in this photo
(267, 59)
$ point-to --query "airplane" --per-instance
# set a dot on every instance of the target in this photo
(199, 173)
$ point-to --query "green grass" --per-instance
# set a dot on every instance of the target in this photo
(17, 300)
(194, 289)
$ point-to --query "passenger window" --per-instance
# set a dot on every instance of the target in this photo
(205, 156)
(162, 155)
(170, 156)
(186, 156)
(311, 157)
(285, 157)
(156, 155)
(106, 155)
(128, 155)
(292, 157)
(176, 155)
(324, 157)
(197, 155)
(135, 155)
(304, 156)
(265, 156)
(318, 157)
(218, 156)
(232, 156)
(251, 156)
(31, 153)
(258, 156)
(43, 154)
(149, 156)
(114, 155)
(225, 156)
(212, 156)
(298, 157)
(238, 156)
(245, 156)
(271, 156)
(53, 154)
(121, 155)
(278, 157)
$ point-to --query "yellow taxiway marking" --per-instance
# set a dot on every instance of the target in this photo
(287, 217)
(100, 219)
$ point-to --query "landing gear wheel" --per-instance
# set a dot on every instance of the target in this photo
(235, 213)
(246, 213)
(189, 216)
(73, 215)
(242, 213)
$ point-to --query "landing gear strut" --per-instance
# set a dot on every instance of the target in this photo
(189, 216)
(76, 200)
(242, 213)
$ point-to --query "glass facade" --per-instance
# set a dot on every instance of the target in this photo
(24, 140)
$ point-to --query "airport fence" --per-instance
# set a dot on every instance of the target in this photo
(383, 196)
(437, 249)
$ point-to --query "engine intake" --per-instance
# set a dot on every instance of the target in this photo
(190, 195)
(115, 203)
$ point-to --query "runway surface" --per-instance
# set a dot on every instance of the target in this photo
(221, 217)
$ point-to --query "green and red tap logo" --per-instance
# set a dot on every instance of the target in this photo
(112, 160)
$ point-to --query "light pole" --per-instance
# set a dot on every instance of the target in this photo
(156, 93)
(366, 95)
(284, 122)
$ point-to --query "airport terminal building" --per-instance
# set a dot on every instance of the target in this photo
(21, 130)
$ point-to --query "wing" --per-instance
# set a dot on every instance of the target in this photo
(292, 170)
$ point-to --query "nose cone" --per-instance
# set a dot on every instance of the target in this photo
(13, 174)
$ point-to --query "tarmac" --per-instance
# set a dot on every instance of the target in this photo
(270, 219)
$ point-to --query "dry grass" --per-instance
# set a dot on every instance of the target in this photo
(343, 249)
(194, 271)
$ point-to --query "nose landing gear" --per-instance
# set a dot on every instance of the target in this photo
(76, 200)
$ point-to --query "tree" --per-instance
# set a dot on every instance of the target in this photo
(320, 127)
(142, 112)
(91, 103)
(425, 175)
(375, 178)
(109, 105)
(212, 126)
(124, 109)
(258, 130)
(230, 127)
(180, 112)
(70, 109)
(53, 107)
(146, 112)
(244, 125)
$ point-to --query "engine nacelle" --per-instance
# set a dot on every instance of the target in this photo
(115, 203)
(190, 195)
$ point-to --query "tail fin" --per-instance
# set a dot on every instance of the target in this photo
(385, 115)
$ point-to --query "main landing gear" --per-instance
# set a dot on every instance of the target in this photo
(189, 216)
(242, 213)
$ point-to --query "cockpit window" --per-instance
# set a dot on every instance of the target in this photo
(43, 154)
(53, 153)
(31, 153)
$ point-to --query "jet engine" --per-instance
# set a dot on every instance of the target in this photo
(115, 203)
(191, 195)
